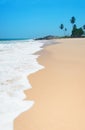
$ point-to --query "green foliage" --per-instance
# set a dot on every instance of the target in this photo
(74, 26)
(61, 26)
(77, 32)
(84, 27)
(72, 20)
(65, 29)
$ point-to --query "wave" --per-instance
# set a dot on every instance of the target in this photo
(17, 61)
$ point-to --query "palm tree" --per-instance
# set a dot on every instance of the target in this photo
(84, 26)
(72, 20)
(61, 27)
(74, 26)
(65, 31)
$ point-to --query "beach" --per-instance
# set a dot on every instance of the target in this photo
(58, 90)
(17, 61)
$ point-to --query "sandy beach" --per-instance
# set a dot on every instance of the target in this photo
(58, 90)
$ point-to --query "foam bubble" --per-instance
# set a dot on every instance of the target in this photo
(17, 61)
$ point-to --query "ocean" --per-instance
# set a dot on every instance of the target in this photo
(17, 61)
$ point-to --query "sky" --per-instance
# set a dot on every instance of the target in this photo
(37, 18)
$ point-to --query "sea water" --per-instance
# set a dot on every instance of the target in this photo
(17, 61)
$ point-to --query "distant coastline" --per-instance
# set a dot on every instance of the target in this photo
(47, 37)
(50, 37)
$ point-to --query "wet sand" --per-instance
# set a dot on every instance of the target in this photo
(58, 90)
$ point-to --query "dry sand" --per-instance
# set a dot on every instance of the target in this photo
(58, 90)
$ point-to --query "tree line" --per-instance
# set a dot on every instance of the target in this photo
(76, 32)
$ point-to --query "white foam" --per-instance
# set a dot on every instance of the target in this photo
(17, 61)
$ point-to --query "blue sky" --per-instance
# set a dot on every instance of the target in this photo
(35, 18)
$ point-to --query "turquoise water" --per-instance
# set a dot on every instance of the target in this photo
(13, 39)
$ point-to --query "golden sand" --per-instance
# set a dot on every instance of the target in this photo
(58, 90)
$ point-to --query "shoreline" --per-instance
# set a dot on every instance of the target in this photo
(17, 62)
(57, 90)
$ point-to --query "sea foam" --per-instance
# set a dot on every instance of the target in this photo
(17, 61)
